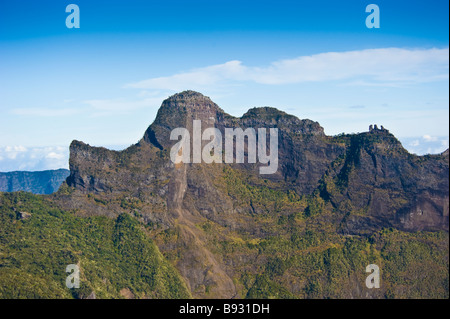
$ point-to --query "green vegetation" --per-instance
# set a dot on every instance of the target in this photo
(299, 253)
(263, 198)
(113, 255)
(314, 264)
(286, 246)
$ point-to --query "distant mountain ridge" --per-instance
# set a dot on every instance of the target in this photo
(40, 182)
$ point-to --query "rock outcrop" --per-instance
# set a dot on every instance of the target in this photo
(368, 180)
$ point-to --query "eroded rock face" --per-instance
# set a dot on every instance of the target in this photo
(426, 212)
(368, 178)
(380, 179)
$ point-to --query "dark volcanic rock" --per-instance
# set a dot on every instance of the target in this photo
(369, 180)
(369, 173)
(378, 178)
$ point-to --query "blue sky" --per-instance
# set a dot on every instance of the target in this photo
(103, 83)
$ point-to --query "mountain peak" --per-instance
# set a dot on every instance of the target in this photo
(187, 94)
(272, 116)
(189, 101)
(351, 184)
(179, 110)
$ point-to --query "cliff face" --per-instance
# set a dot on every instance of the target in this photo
(44, 182)
(370, 173)
(386, 186)
(347, 184)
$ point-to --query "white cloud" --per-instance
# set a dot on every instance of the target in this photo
(198, 78)
(18, 148)
(379, 67)
(429, 138)
(426, 144)
(11, 152)
(33, 159)
(54, 155)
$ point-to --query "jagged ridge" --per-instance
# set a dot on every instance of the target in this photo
(357, 184)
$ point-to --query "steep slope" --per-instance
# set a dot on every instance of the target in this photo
(116, 257)
(371, 170)
(222, 224)
(378, 183)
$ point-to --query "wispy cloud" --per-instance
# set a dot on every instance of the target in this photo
(198, 78)
(45, 112)
(103, 107)
(97, 107)
(379, 67)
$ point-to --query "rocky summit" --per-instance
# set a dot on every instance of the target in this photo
(369, 173)
(335, 205)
